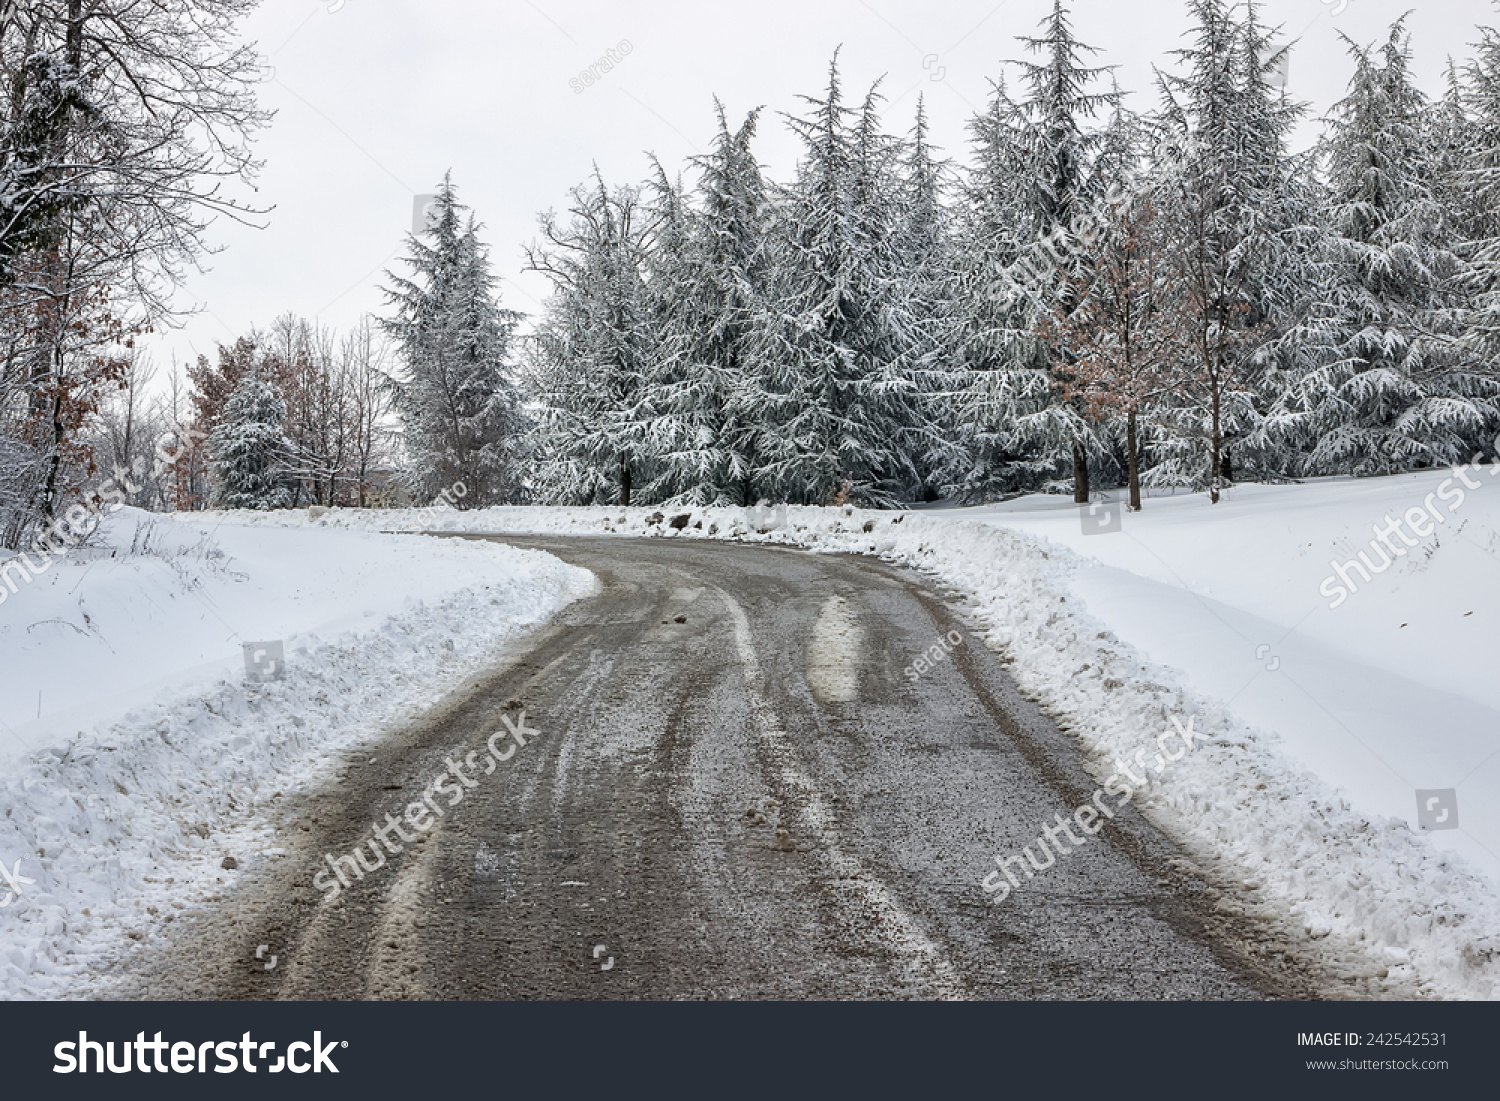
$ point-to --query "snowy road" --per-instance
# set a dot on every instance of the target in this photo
(735, 790)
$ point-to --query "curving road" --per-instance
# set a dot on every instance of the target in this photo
(735, 788)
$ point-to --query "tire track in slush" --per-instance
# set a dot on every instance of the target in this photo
(918, 956)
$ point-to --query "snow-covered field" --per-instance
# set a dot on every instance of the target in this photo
(134, 755)
(1326, 722)
(1391, 692)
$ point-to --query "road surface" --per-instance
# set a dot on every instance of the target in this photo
(735, 789)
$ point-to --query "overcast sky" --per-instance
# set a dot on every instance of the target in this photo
(375, 99)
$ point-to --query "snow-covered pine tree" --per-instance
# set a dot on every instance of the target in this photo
(453, 391)
(1451, 137)
(591, 362)
(993, 312)
(1480, 97)
(1064, 194)
(839, 410)
(249, 454)
(1479, 180)
(1389, 392)
(893, 334)
(708, 272)
(1231, 201)
(1282, 251)
(1018, 398)
(928, 265)
(735, 234)
(684, 434)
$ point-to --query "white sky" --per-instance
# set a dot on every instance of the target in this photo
(375, 99)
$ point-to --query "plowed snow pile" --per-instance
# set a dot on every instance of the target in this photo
(134, 755)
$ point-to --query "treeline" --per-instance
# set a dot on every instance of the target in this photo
(1099, 298)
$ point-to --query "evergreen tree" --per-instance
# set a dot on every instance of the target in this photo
(840, 395)
(735, 230)
(1389, 393)
(1057, 192)
(708, 272)
(249, 454)
(926, 252)
(592, 355)
(685, 435)
(458, 405)
(1479, 181)
(1231, 201)
(1451, 137)
(994, 307)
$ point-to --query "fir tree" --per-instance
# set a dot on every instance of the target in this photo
(1479, 180)
(592, 362)
(838, 387)
(707, 279)
(994, 309)
(735, 229)
(1057, 191)
(249, 454)
(1389, 393)
(458, 405)
(928, 258)
(1230, 200)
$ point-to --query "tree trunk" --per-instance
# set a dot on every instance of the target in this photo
(624, 484)
(1080, 475)
(1215, 444)
(1132, 450)
(74, 43)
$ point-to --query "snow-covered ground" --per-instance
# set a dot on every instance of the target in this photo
(135, 756)
(1390, 692)
(1326, 722)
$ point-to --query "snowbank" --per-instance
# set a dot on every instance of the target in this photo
(1325, 722)
(118, 825)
